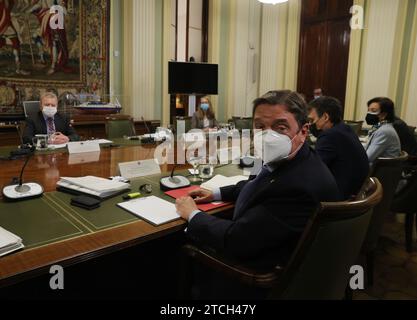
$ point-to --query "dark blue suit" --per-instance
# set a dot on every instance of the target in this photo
(265, 231)
(341, 150)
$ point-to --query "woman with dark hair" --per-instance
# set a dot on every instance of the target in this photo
(383, 139)
(204, 118)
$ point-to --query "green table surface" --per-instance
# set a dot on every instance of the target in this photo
(51, 218)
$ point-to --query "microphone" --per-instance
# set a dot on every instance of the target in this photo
(174, 182)
(23, 191)
(147, 140)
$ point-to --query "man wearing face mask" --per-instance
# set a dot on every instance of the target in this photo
(318, 93)
(49, 121)
(272, 209)
(383, 139)
(338, 146)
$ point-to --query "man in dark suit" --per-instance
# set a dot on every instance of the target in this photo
(338, 146)
(272, 209)
(49, 121)
(406, 135)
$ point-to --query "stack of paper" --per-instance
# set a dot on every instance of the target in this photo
(220, 181)
(95, 186)
(152, 209)
(9, 242)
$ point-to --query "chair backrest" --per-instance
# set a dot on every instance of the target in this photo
(188, 123)
(331, 243)
(388, 172)
(119, 127)
(243, 123)
(355, 125)
(31, 108)
(405, 201)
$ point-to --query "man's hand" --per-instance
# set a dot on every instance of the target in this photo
(202, 196)
(59, 138)
(185, 206)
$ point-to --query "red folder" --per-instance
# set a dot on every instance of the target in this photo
(203, 207)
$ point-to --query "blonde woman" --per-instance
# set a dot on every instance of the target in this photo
(204, 118)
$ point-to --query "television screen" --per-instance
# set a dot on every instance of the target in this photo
(193, 78)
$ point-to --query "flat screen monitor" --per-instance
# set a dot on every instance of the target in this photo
(193, 78)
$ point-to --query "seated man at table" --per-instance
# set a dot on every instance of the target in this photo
(273, 208)
(338, 146)
(49, 121)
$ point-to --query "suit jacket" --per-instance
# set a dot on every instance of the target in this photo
(340, 149)
(383, 143)
(36, 124)
(266, 231)
(198, 123)
(407, 138)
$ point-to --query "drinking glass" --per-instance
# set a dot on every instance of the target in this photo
(195, 162)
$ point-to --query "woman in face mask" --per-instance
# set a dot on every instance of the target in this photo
(383, 139)
(204, 118)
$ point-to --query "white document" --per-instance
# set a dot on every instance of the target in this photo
(101, 141)
(57, 146)
(9, 242)
(80, 158)
(152, 209)
(83, 147)
(220, 181)
(137, 169)
(96, 183)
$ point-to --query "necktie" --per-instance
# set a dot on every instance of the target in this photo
(51, 126)
(249, 189)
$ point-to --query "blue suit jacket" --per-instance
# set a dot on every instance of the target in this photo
(266, 230)
(341, 150)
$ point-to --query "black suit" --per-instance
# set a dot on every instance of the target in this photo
(341, 150)
(407, 138)
(36, 124)
(266, 230)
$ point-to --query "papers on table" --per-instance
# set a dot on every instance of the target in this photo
(95, 186)
(152, 209)
(137, 169)
(9, 242)
(57, 146)
(220, 181)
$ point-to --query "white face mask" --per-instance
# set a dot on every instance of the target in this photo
(272, 146)
(49, 112)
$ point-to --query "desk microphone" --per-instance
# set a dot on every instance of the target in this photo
(23, 191)
(174, 182)
(147, 140)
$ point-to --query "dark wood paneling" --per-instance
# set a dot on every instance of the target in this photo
(324, 47)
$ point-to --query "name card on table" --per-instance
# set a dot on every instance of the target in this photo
(83, 147)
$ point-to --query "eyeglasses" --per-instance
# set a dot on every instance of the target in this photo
(146, 188)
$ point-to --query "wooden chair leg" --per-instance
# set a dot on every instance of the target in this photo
(370, 257)
(409, 224)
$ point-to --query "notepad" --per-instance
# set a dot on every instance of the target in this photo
(152, 209)
(206, 207)
(220, 181)
(9, 242)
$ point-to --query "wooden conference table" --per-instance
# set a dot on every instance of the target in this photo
(56, 233)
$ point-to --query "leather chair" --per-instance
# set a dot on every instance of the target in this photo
(405, 203)
(188, 123)
(355, 125)
(319, 267)
(388, 172)
(119, 126)
(243, 123)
